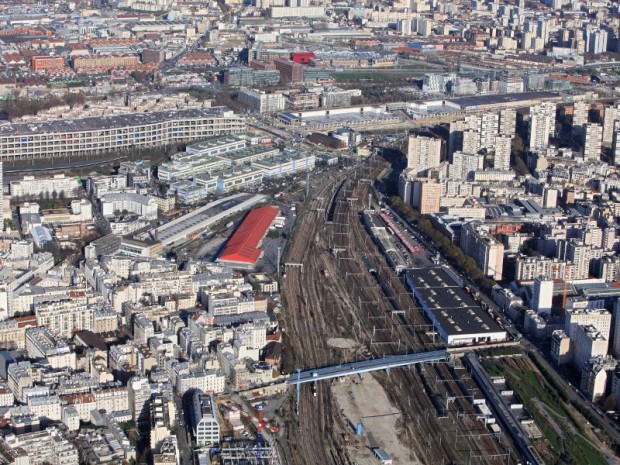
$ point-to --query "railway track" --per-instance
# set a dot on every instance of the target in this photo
(402, 324)
(314, 438)
(335, 295)
(404, 386)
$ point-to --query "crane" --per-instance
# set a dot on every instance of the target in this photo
(259, 435)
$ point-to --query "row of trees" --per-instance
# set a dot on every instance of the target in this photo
(466, 264)
(19, 106)
(46, 200)
(518, 156)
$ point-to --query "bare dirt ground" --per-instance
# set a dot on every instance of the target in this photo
(342, 343)
(365, 400)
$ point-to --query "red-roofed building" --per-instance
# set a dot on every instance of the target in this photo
(83, 403)
(13, 58)
(26, 321)
(196, 59)
(302, 57)
(45, 63)
(105, 62)
(242, 249)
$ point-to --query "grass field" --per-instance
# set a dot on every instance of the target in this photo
(563, 429)
(363, 75)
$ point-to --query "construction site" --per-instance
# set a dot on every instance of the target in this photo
(344, 304)
(249, 454)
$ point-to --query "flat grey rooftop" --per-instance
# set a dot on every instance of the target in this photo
(106, 122)
(455, 310)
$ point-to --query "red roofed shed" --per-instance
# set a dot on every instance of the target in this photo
(242, 248)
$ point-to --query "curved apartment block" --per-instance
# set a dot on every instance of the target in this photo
(87, 136)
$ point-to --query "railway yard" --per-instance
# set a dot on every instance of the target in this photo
(346, 289)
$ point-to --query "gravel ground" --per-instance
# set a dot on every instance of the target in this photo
(342, 343)
(365, 400)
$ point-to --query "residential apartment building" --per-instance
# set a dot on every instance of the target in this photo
(615, 335)
(589, 342)
(227, 303)
(112, 399)
(261, 101)
(41, 344)
(465, 164)
(487, 251)
(105, 62)
(612, 114)
(503, 147)
(61, 138)
(579, 253)
(139, 397)
(19, 377)
(528, 268)
(211, 381)
(206, 425)
(489, 128)
(615, 145)
(543, 294)
(596, 40)
(141, 205)
(471, 141)
(598, 318)
(561, 349)
(162, 420)
(456, 135)
(143, 329)
(34, 186)
(336, 97)
(47, 447)
(580, 119)
(426, 196)
(593, 142)
(64, 317)
(595, 377)
(510, 82)
(423, 153)
(507, 122)
(13, 332)
(47, 407)
(542, 125)
(46, 63)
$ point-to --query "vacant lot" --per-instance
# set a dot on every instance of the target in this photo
(567, 437)
(365, 400)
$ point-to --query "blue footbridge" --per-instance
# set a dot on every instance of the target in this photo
(364, 366)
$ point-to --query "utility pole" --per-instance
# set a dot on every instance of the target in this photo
(307, 178)
(298, 388)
